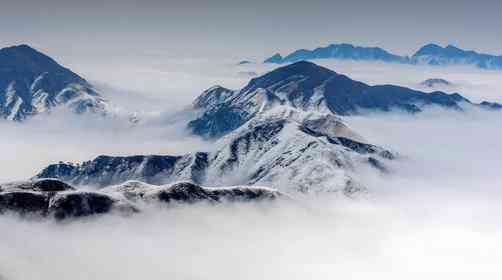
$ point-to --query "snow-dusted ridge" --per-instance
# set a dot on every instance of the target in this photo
(307, 87)
(286, 148)
(53, 198)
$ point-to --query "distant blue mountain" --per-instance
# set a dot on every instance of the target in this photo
(450, 55)
(430, 54)
(339, 51)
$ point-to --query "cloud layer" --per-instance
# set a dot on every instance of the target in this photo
(435, 216)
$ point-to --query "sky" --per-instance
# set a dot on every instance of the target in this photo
(244, 29)
(435, 216)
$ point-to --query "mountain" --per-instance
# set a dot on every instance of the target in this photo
(435, 82)
(54, 198)
(282, 129)
(430, 54)
(491, 105)
(244, 62)
(285, 148)
(339, 51)
(33, 83)
(307, 87)
(276, 58)
(433, 54)
(107, 170)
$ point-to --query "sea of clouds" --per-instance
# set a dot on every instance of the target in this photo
(435, 216)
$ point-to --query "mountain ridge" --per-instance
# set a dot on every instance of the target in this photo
(285, 148)
(52, 198)
(429, 54)
(308, 87)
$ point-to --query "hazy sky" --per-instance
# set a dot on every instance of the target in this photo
(245, 28)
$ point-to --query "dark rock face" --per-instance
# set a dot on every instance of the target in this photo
(80, 204)
(347, 97)
(48, 185)
(32, 83)
(245, 194)
(24, 202)
(184, 192)
(49, 197)
(53, 198)
(218, 122)
(31, 197)
(190, 193)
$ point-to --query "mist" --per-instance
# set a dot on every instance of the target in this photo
(30, 146)
(435, 215)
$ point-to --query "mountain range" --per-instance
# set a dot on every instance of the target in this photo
(311, 88)
(283, 129)
(32, 83)
(430, 54)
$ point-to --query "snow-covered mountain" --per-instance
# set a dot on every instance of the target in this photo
(430, 54)
(285, 148)
(307, 87)
(33, 83)
(283, 130)
(53, 198)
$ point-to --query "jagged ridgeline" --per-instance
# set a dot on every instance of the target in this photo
(311, 88)
(430, 54)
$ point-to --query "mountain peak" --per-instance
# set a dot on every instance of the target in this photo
(276, 58)
(22, 47)
(303, 68)
(25, 59)
(32, 82)
(429, 49)
(24, 50)
(307, 69)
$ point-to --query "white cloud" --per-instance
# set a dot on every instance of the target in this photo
(435, 216)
